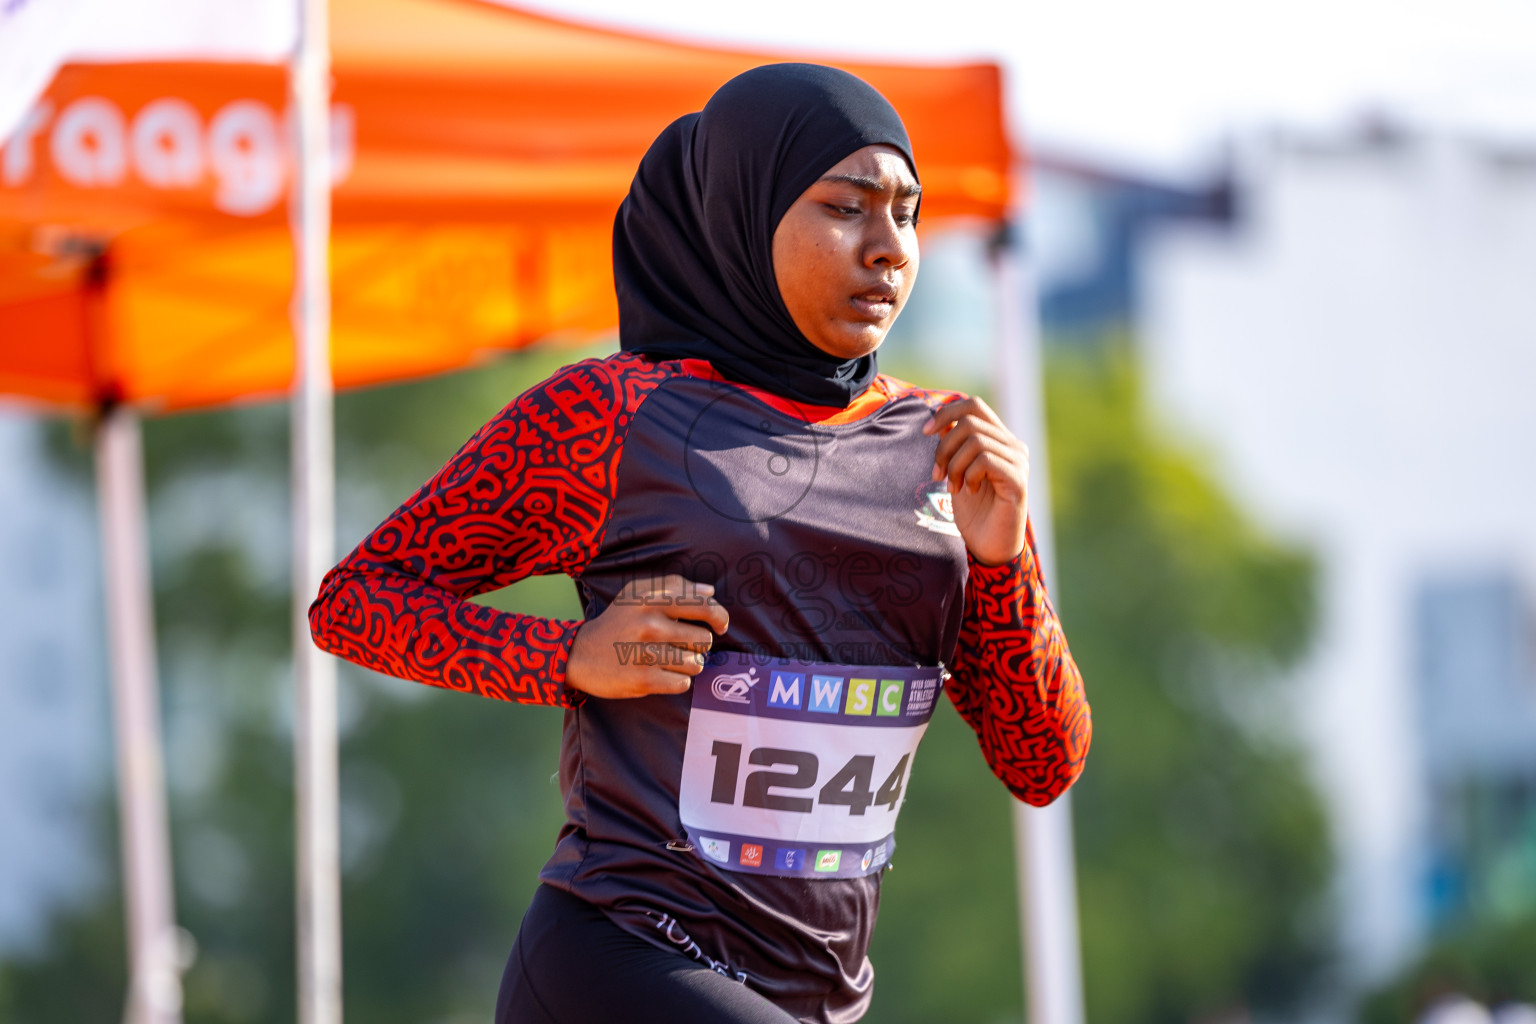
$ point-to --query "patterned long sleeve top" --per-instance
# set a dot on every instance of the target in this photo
(534, 492)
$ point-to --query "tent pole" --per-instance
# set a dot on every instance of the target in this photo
(154, 989)
(315, 742)
(1042, 836)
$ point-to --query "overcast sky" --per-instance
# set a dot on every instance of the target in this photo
(1153, 85)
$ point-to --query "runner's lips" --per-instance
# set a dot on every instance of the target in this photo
(877, 303)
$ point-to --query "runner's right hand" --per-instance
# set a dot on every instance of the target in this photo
(639, 646)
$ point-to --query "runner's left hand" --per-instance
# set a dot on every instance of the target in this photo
(988, 472)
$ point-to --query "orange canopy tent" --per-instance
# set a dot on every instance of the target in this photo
(480, 155)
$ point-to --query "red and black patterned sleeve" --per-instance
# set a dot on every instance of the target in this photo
(529, 494)
(1015, 683)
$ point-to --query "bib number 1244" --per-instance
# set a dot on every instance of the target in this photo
(848, 787)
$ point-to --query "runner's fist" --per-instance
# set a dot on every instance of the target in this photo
(988, 472)
(638, 646)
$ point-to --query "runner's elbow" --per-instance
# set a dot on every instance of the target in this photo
(1042, 783)
(329, 606)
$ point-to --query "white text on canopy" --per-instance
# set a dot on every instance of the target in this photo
(93, 145)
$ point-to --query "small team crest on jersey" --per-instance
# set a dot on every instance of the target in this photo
(936, 509)
(736, 688)
(718, 850)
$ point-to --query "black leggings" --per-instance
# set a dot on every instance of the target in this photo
(571, 965)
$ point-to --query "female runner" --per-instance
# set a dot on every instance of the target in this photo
(737, 480)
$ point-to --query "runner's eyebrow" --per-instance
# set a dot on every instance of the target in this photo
(866, 183)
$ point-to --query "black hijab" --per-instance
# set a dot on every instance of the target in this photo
(693, 240)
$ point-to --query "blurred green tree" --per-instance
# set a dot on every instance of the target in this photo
(1490, 961)
(1202, 850)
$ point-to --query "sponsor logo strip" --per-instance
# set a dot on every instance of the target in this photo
(789, 859)
(812, 692)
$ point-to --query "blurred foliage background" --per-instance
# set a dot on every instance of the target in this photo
(1203, 858)
(1493, 962)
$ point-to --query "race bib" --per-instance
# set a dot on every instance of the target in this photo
(800, 768)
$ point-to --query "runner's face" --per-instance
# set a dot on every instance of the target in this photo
(845, 254)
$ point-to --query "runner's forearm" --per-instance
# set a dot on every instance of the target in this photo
(1015, 683)
(399, 625)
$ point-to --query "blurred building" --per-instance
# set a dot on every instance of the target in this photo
(1086, 226)
(1084, 230)
(1358, 350)
(55, 745)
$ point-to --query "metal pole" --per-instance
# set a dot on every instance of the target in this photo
(154, 987)
(315, 744)
(1042, 835)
